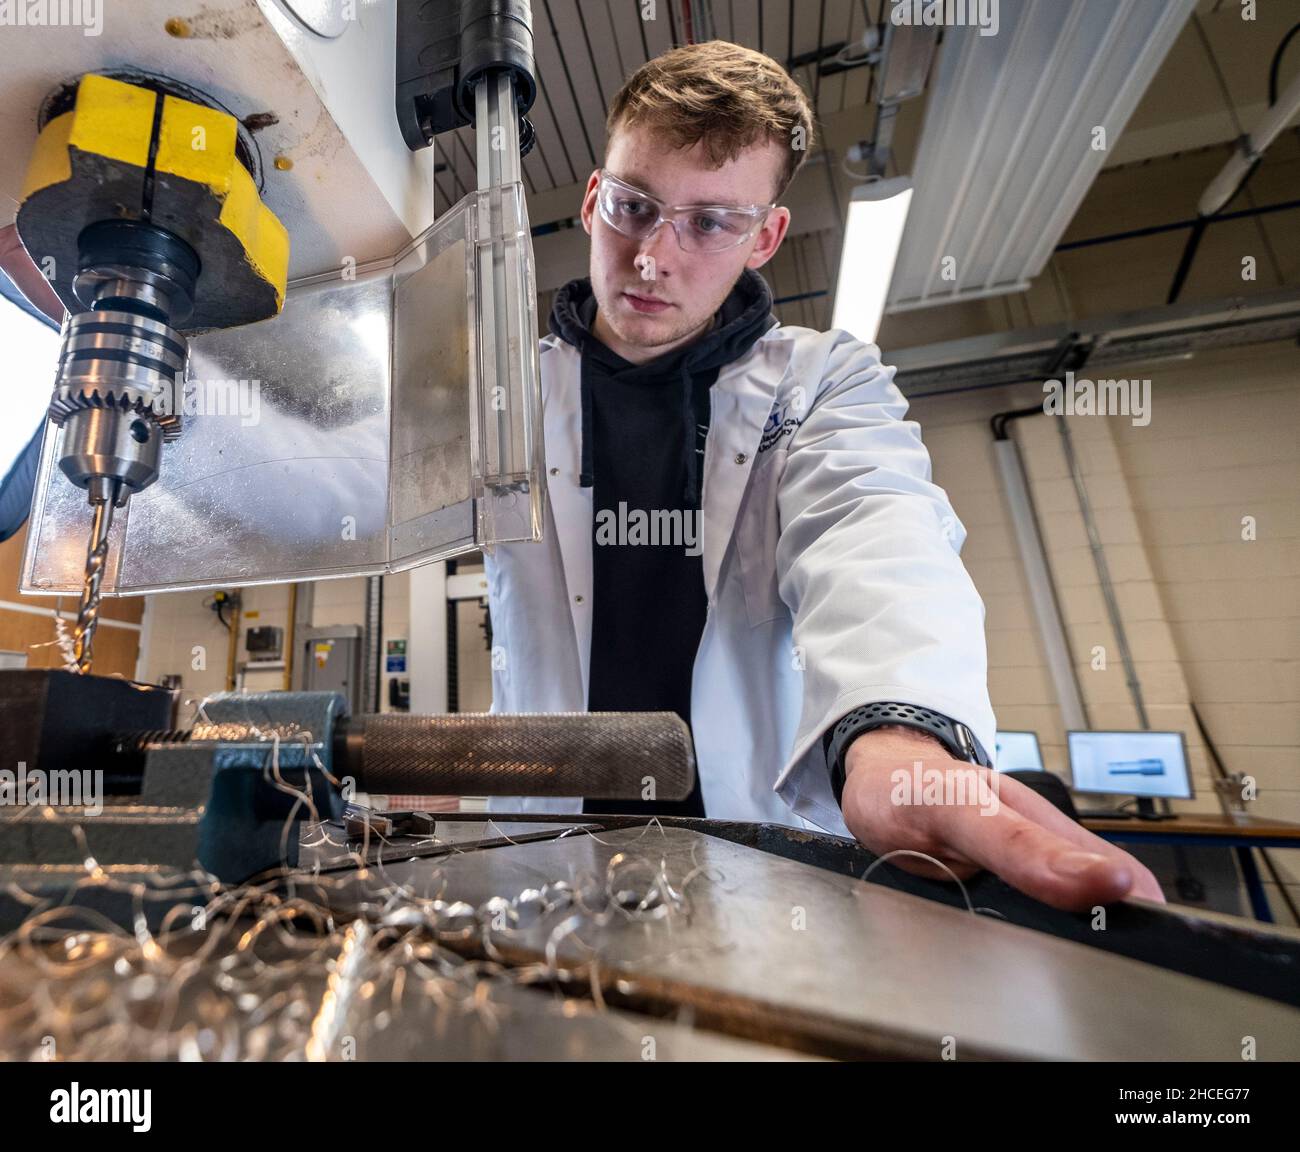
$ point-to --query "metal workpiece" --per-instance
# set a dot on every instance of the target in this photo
(759, 947)
(52, 720)
(366, 838)
(619, 755)
(701, 933)
(381, 988)
(687, 936)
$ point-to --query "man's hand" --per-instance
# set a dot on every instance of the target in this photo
(982, 820)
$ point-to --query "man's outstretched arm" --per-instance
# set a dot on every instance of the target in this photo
(1021, 837)
(884, 610)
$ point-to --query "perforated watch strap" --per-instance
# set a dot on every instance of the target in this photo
(960, 742)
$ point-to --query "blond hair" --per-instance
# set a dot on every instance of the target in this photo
(722, 95)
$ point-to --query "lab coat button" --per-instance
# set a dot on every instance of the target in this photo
(741, 457)
(577, 599)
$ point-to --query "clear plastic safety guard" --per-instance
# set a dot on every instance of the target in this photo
(389, 416)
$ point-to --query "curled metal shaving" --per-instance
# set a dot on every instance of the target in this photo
(271, 970)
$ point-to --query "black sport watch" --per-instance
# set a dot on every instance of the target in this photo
(959, 740)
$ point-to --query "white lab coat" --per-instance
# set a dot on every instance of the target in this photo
(831, 566)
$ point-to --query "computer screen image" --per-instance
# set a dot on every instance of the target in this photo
(1148, 765)
(1015, 751)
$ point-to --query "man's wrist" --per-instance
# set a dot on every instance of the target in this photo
(895, 735)
(924, 731)
(892, 741)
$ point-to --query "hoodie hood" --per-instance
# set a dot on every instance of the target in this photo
(745, 315)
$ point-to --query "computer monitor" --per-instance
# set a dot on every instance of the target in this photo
(1017, 750)
(1147, 765)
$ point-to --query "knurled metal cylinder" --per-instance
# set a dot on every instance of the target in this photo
(614, 755)
(122, 360)
(120, 381)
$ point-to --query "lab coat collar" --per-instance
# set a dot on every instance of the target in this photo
(571, 504)
(742, 400)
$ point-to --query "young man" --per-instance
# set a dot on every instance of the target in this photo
(818, 632)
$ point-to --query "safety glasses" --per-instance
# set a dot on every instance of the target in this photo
(699, 227)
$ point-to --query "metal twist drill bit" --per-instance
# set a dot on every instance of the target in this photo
(96, 560)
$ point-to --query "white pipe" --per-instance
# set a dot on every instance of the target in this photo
(1042, 591)
(1229, 179)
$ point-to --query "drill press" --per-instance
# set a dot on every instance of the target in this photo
(141, 207)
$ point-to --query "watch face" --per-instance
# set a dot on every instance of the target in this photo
(965, 740)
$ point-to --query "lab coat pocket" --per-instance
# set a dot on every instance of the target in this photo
(757, 530)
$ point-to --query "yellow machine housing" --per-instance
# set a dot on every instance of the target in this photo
(125, 152)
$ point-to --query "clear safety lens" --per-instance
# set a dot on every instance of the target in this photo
(698, 229)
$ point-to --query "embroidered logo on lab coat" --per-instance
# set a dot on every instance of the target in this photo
(781, 423)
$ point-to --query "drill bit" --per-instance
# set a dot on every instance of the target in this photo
(121, 376)
(96, 559)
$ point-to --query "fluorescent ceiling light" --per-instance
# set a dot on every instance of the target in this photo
(1017, 126)
(877, 215)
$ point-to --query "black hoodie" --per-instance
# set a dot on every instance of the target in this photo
(643, 434)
